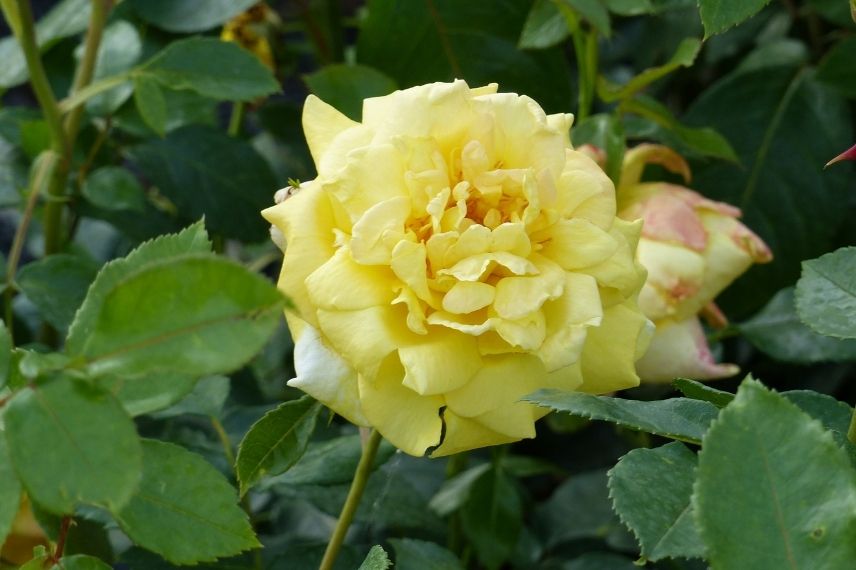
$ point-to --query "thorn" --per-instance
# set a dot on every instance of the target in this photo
(849, 154)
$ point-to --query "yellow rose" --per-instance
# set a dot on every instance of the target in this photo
(693, 248)
(25, 535)
(453, 255)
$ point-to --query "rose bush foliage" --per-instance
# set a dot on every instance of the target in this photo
(453, 255)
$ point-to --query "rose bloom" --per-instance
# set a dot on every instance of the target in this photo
(453, 255)
(693, 248)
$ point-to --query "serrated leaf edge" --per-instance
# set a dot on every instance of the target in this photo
(652, 557)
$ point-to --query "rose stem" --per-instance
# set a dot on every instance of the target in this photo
(358, 485)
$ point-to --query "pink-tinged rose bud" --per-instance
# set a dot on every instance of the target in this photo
(679, 349)
(693, 248)
(849, 154)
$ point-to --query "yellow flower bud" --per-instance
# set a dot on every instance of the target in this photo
(453, 255)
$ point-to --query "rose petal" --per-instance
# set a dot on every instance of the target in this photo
(680, 350)
(442, 361)
(407, 420)
(325, 376)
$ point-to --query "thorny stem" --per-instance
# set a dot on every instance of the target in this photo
(358, 485)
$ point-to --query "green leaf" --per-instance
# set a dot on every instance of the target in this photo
(187, 16)
(377, 559)
(10, 492)
(777, 331)
(5, 354)
(836, 68)
(786, 52)
(114, 188)
(796, 489)
(192, 239)
(456, 491)
(207, 398)
(57, 285)
(650, 491)
(146, 393)
(196, 315)
(412, 554)
(80, 562)
(676, 418)
(207, 173)
(94, 455)
(276, 441)
(331, 462)
(702, 141)
(492, 517)
(766, 115)
(698, 391)
(213, 68)
(719, 15)
(630, 7)
(593, 11)
(579, 508)
(684, 56)
(345, 86)
(833, 414)
(826, 294)
(33, 364)
(839, 13)
(545, 26)
(184, 509)
(420, 42)
(600, 561)
(150, 103)
(120, 49)
(66, 18)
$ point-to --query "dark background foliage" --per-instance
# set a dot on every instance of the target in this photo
(779, 89)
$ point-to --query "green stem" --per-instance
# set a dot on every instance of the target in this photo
(45, 165)
(585, 50)
(86, 68)
(26, 34)
(457, 464)
(358, 485)
(225, 441)
(236, 119)
(75, 100)
(54, 207)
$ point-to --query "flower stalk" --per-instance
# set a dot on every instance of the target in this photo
(358, 486)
